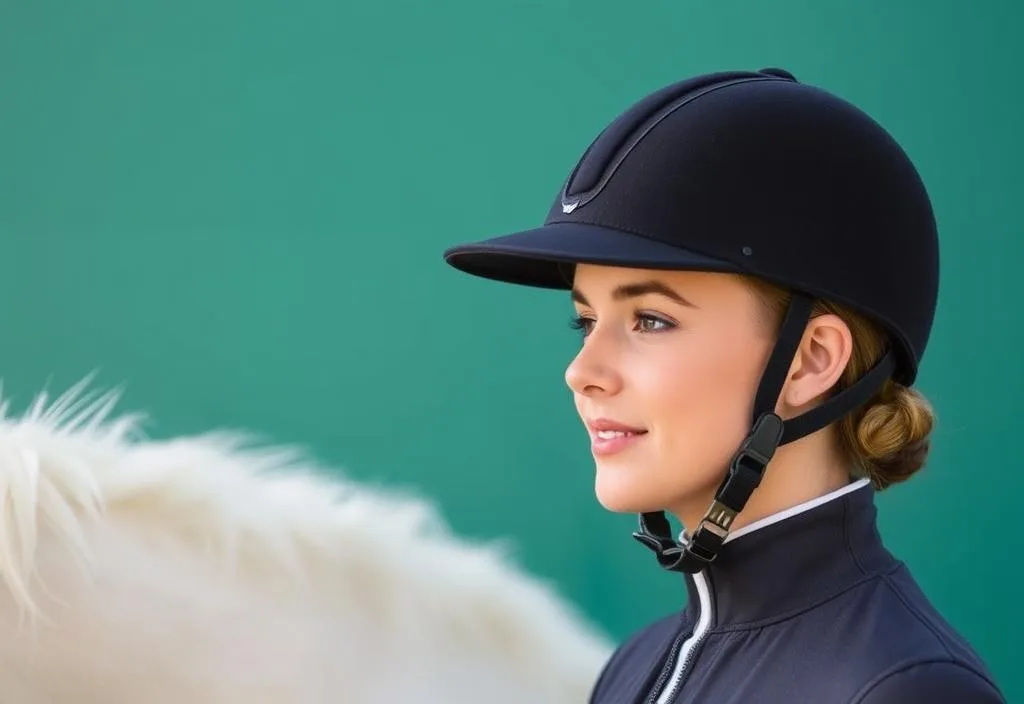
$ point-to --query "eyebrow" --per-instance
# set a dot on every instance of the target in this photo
(635, 290)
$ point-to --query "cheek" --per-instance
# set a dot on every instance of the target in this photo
(699, 402)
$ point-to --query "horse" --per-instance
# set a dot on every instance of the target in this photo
(214, 568)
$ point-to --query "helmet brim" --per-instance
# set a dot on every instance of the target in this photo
(543, 257)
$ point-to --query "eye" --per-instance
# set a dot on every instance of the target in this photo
(645, 323)
(581, 323)
(653, 323)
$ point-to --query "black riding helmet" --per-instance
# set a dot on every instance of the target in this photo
(752, 173)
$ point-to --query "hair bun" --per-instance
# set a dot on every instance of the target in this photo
(894, 434)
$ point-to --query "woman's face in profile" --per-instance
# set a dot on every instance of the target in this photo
(664, 381)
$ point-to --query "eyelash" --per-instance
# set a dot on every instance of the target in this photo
(583, 323)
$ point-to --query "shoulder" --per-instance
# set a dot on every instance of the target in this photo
(923, 658)
(634, 658)
(931, 682)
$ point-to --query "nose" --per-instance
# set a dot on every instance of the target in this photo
(592, 372)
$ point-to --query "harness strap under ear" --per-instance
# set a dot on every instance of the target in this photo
(843, 402)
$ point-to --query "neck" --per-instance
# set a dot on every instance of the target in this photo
(799, 472)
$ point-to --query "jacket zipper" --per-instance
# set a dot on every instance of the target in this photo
(684, 649)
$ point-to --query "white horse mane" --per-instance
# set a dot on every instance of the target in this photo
(211, 568)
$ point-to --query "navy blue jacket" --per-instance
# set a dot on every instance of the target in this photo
(807, 606)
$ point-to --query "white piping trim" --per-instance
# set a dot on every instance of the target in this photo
(794, 510)
(685, 653)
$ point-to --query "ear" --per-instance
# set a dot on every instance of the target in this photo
(818, 364)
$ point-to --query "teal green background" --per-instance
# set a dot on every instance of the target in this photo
(237, 210)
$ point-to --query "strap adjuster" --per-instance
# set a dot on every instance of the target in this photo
(747, 468)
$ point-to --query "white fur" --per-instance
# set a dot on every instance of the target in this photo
(208, 569)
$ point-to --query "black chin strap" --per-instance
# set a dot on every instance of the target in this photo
(767, 434)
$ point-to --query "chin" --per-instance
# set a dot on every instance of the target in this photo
(626, 492)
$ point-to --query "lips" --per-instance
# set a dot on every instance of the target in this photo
(608, 437)
(604, 424)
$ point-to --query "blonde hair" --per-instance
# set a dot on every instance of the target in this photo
(888, 438)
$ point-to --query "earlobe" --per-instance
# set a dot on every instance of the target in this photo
(819, 362)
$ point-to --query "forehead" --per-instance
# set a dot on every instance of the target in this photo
(593, 283)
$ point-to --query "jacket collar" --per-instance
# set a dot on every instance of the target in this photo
(792, 560)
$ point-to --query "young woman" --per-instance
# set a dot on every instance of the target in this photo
(754, 267)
